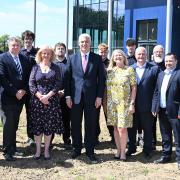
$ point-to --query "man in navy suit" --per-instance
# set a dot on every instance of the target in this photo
(14, 75)
(85, 83)
(166, 103)
(146, 74)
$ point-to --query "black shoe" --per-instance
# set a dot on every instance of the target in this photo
(153, 147)
(162, 160)
(75, 155)
(93, 159)
(67, 146)
(129, 153)
(9, 157)
(147, 156)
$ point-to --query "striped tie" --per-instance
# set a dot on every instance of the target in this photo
(18, 65)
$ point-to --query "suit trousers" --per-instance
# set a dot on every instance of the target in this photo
(66, 120)
(90, 114)
(29, 132)
(167, 125)
(12, 113)
(146, 121)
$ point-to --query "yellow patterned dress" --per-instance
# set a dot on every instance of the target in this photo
(119, 82)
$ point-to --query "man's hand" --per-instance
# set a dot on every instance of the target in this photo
(20, 94)
(69, 102)
(98, 102)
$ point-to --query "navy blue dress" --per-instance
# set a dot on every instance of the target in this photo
(45, 119)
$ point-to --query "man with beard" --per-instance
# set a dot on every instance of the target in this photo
(158, 59)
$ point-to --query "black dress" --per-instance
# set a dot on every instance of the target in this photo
(45, 119)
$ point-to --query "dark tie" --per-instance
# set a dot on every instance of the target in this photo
(18, 65)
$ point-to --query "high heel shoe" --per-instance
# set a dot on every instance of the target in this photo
(36, 157)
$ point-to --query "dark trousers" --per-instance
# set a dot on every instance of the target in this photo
(146, 122)
(66, 121)
(168, 125)
(98, 130)
(12, 113)
(29, 132)
(90, 113)
(154, 137)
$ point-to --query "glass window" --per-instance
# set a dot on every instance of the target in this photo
(147, 35)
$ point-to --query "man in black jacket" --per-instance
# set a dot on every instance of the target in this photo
(166, 103)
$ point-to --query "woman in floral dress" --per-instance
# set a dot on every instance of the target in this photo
(121, 93)
(45, 111)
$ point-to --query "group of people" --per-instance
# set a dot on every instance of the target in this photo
(58, 92)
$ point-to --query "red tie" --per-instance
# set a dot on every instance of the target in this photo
(84, 62)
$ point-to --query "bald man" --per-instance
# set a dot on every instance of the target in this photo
(146, 74)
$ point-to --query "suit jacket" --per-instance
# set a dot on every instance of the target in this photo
(10, 78)
(91, 83)
(145, 88)
(172, 94)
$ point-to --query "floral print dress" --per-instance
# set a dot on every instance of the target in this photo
(119, 82)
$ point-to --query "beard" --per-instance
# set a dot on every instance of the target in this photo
(158, 59)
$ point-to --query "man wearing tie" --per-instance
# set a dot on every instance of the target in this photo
(14, 75)
(85, 82)
(166, 103)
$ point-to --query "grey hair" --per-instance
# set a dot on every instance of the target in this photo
(158, 46)
(85, 35)
(16, 39)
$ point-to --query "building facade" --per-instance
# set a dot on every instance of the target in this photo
(91, 16)
(142, 20)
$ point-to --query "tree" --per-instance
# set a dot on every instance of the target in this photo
(3, 42)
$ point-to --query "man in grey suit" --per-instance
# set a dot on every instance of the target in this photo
(84, 88)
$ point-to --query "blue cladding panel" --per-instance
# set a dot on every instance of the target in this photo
(158, 13)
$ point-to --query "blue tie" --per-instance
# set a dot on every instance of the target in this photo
(18, 65)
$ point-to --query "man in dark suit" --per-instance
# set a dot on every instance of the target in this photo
(14, 75)
(84, 90)
(29, 51)
(158, 59)
(146, 74)
(166, 103)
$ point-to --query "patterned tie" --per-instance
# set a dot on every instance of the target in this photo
(18, 65)
(84, 62)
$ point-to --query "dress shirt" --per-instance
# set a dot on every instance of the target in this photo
(164, 86)
(13, 56)
(86, 54)
(139, 72)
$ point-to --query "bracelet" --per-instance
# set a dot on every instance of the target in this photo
(132, 103)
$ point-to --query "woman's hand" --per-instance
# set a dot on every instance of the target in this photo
(131, 109)
(45, 99)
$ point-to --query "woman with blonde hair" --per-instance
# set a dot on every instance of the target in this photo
(45, 112)
(121, 93)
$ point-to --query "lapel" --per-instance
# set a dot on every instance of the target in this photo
(79, 62)
(161, 77)
(171, 78)
(145, 73)
(11, 61)
(89, 63)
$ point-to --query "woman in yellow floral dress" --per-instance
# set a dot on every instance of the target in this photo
(121, 93)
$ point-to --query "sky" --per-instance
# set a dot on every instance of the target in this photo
(17, 16)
